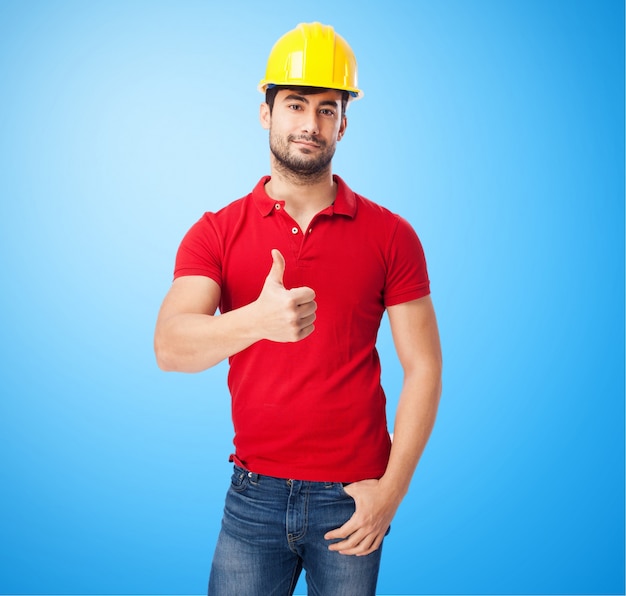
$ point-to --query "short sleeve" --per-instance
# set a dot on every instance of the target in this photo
(201, 251)
(407, 274)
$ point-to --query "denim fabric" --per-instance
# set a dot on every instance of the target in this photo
(273, 528)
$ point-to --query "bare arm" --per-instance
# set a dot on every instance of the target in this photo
(416, 339)
(190, 338)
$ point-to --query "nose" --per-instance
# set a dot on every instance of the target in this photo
(310, 124)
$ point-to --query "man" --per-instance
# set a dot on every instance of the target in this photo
(302, 270)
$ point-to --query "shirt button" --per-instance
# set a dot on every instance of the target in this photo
(277, 206)
(294, 230)
(310, 230)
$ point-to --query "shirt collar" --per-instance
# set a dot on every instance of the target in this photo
(345, 200)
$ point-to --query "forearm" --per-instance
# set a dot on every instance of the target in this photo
(190, 338)
(377, 500)
(189, 342)
(415, 418)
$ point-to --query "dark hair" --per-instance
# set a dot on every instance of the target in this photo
(270, 95)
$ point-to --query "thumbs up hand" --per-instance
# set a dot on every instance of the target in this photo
(285, 315)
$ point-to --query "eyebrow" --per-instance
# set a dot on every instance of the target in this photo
(302, 98)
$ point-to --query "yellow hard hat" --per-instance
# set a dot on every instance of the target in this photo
(312, 55)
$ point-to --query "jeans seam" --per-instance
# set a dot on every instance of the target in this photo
(295, 575)
(292, 540)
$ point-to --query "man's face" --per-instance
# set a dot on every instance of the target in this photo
(304, 130)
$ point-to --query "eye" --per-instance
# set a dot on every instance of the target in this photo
(327, 112)
(294, 106)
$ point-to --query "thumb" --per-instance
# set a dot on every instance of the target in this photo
(278, 267)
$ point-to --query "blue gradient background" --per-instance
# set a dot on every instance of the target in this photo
(495, 127)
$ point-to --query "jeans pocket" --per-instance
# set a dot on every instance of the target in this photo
(239, 479)
(342, 489)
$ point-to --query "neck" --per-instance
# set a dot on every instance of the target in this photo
(301, 193)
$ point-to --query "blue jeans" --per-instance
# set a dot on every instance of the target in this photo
(273, 528)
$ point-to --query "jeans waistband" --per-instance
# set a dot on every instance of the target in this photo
(255, 478)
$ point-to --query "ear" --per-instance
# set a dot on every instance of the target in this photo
(265, 116)
(342, 128)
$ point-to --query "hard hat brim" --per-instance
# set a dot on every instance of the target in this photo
(264, 85)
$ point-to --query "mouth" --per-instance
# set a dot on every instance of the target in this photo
(305, 142)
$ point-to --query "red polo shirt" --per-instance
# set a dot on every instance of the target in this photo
(314, 409)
